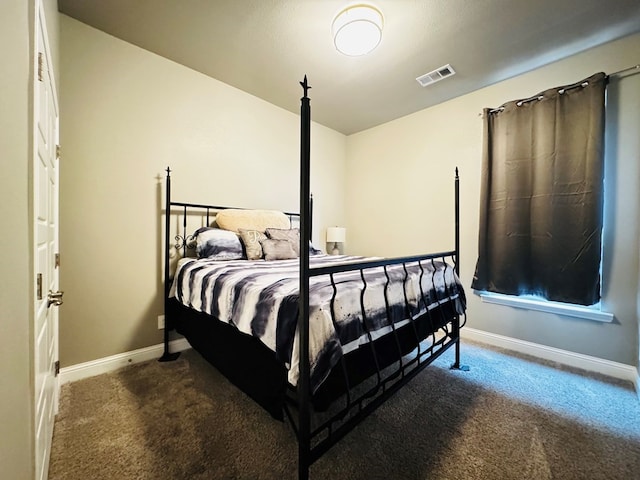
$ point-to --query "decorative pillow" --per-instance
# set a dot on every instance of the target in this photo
(234, 219)
(251, 240)
(217, 244)
(313, 250)
(277, 249)
(291, 235)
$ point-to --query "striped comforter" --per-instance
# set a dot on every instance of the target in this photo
(260, 298)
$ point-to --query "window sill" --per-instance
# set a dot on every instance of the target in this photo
(579, 311)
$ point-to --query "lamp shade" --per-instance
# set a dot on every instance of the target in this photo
(336, 234)
(357, 30)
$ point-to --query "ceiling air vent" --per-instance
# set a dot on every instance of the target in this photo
(436, 75)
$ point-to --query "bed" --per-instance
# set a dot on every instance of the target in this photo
(320, 340)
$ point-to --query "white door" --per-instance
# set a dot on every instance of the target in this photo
(45, 215)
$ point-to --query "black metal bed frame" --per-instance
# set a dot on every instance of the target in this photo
(314, 441)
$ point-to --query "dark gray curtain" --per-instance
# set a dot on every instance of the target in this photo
(542, 195)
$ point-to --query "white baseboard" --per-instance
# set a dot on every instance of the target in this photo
(114, 362)
(564, 357)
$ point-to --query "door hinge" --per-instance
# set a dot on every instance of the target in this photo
(57, 151)
(39, 286)
(57, 260)
(40, 65)
(56, 367)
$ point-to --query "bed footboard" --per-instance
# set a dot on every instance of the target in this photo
(364, 378)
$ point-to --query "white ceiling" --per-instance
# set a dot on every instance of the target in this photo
(265, 47)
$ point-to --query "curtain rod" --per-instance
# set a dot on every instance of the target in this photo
(526, 100)
(625, 70)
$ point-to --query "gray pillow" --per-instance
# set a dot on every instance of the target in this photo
(277, 249)
(291, 235)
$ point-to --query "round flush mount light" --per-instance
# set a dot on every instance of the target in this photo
(357, 30)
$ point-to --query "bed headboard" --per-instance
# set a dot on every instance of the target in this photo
(183, 219)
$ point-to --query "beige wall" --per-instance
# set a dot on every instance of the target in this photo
(15, 252)
(400, 175)
(126, 115)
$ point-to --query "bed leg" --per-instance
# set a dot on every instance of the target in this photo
(456, 365)
(167, 356)
(456, 332)
(303, 472)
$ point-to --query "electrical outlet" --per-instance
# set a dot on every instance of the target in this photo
(160, 322)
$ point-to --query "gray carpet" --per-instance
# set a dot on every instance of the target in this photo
(509, 417)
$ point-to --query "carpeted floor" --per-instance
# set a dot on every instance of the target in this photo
(509, 417)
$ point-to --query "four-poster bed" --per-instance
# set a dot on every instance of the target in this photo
(321, 339)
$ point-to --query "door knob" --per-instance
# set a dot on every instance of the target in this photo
(54, 298)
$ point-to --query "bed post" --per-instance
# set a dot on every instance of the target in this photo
(304, 442)
(457, 220)
(310, 214)
(166, 355)
(456, 320)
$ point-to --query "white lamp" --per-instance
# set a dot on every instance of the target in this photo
(336, 235)
(357, 30)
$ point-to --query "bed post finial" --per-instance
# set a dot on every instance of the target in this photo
(305, 86)
(168, 172)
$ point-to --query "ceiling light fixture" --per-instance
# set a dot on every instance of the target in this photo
(357, 30)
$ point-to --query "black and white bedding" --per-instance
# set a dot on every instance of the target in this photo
(260, 298)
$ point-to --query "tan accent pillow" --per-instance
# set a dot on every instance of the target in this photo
(291, 235)
(251, 240)
(277, 250)
(235, 219)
